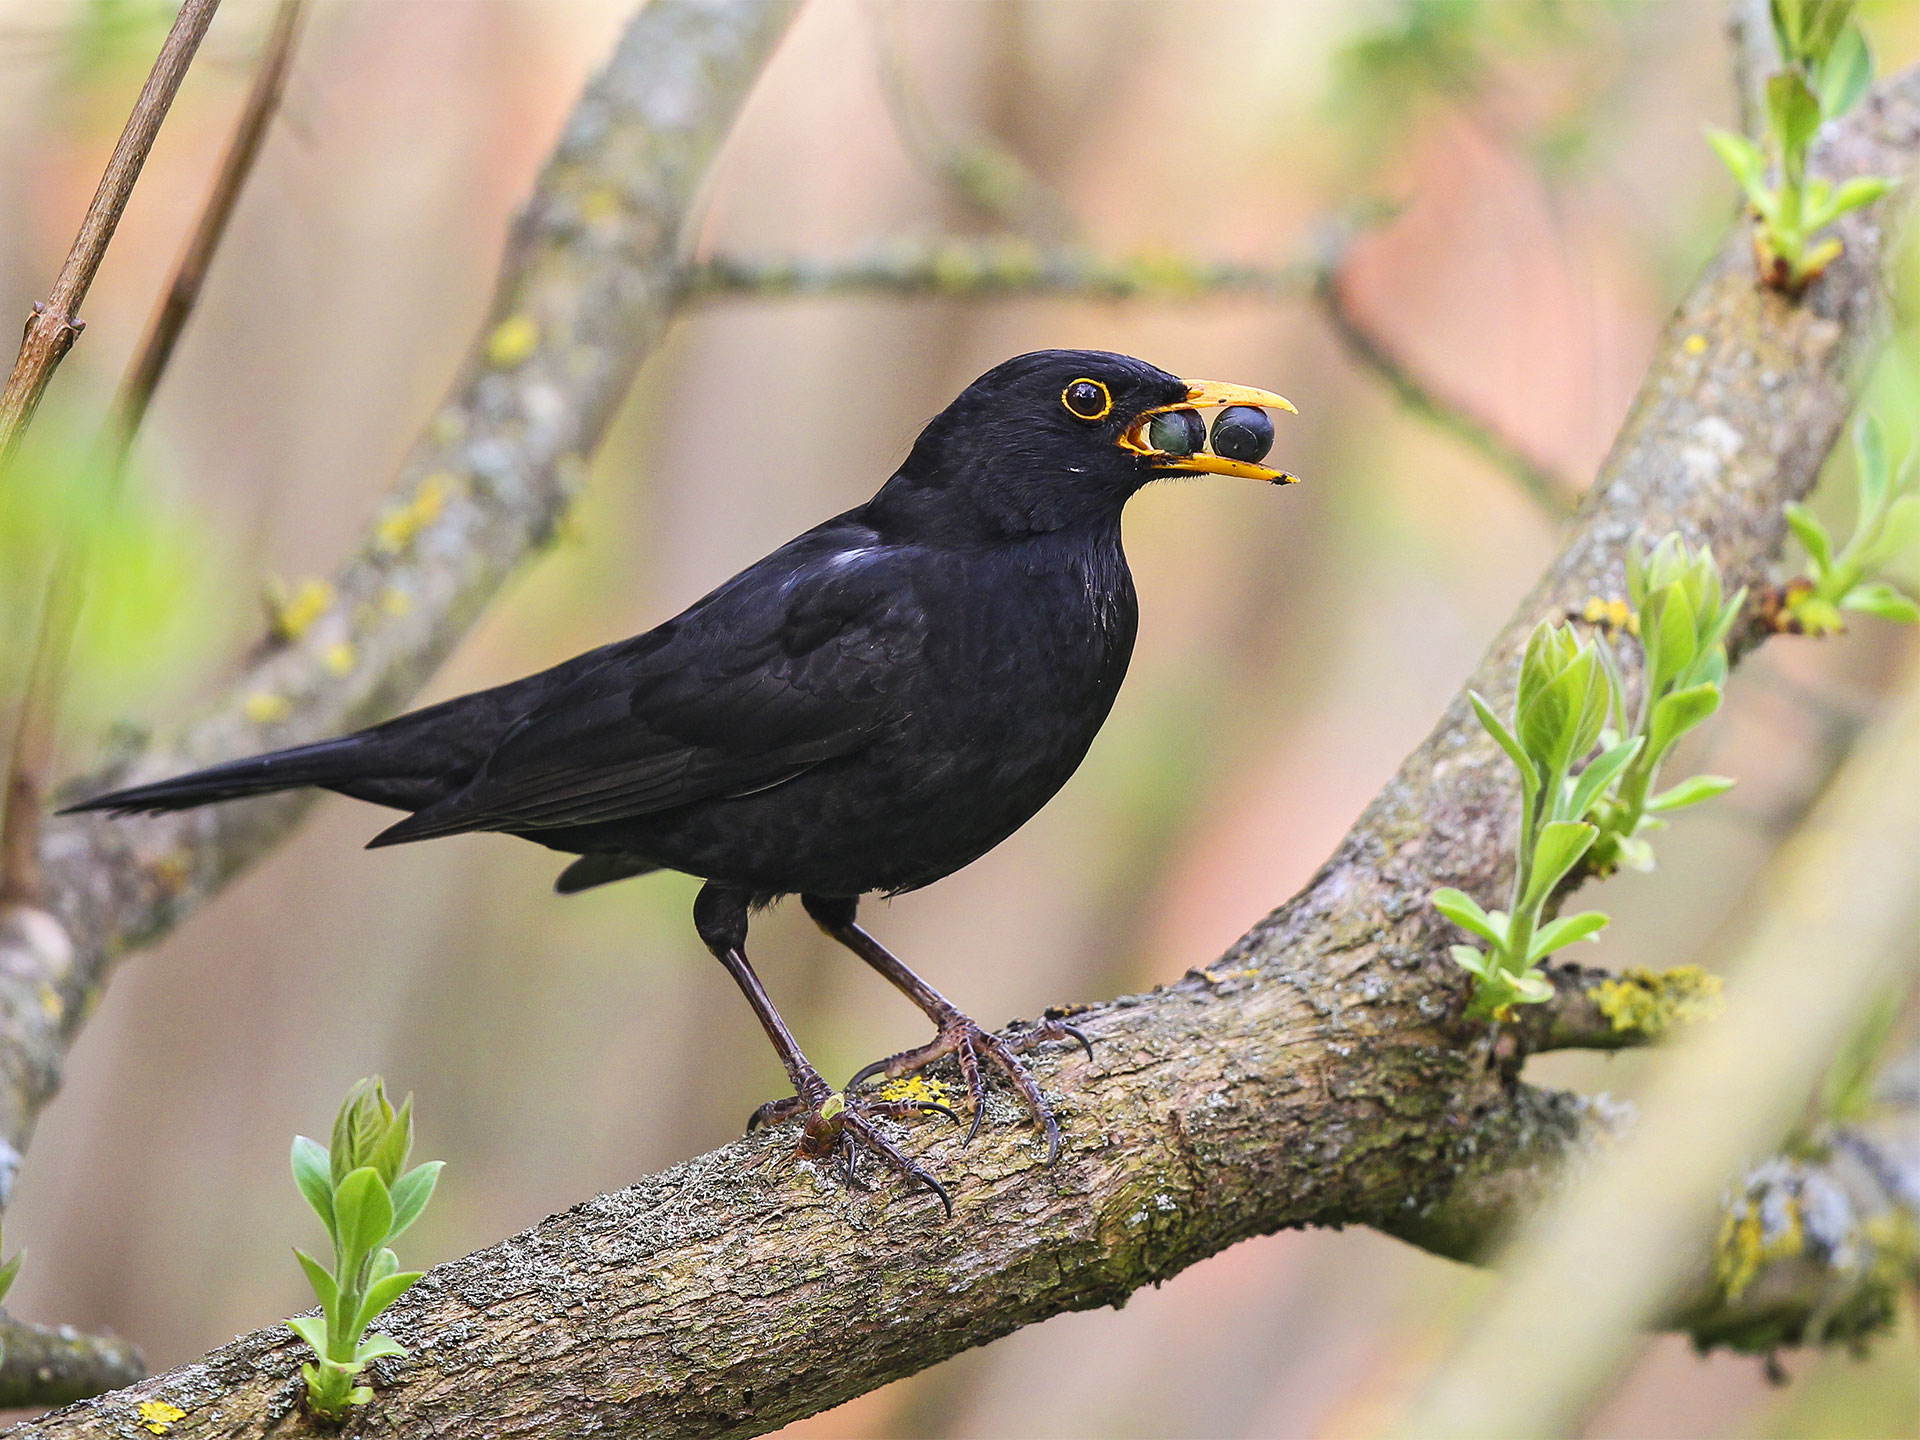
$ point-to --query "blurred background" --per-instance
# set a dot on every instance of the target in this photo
(1554, 196)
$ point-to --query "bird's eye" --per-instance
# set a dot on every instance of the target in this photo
(1087, 400)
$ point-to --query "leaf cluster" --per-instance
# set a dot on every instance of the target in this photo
(1828, 67)
(1887, 521)
(1587, 763)
(363, 1193)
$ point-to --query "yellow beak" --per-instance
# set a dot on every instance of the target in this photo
(1209, 392)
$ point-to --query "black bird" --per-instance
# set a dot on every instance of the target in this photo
(872, 706)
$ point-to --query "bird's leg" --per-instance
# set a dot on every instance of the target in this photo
(831, 1123)
(957, 1036)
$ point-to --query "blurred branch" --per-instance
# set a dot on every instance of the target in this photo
(587, 287)
(1319, 1073)
(30, 760)
(57, 1365)
(983, 173)
(189, 276)
(1554, 496)
(988, 269)
(1002, 268)
(56, 320)
(1836, 932)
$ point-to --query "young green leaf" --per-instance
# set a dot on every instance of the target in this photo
(1743, 159)
(363, 1210)
(1463, 910)
(1854, 194)
(312, 1172)
(1604, 769)
(1530, 987)
(325, 1288)
(381, 1294)
(411, 1193)
(1898, 530)
(313, 1330)
(1880, 598)
(1813, 537)
(1565, 931)
(375, 1347)
(1678, 713)
(1491, 723)
(1846, 73)
(10, 1272)
(1473, 961)
(389, 1155)
(1558, 850)
(1690, 791)
(1795, 112)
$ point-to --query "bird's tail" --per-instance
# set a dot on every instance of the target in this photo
(327, 763)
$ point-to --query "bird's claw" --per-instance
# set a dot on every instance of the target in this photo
(833, 1124)
(967, 1042)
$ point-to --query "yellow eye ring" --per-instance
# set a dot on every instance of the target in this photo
(1077, 390)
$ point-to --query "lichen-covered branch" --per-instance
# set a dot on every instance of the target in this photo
(590, 280)
(57, 1364)
(1008, 267)
(1319, 1073)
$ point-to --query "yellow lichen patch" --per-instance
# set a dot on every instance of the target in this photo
(1614, 615)
(263, 707)
(291, 610)
(399, 525)
(1650, 1002)
(340, 657)
(1695, 344)
(51, 1005)
(1743, 1245)
(157, 1416)
(395, 602)
(916, 1089)
(512, 341)
(599, 205)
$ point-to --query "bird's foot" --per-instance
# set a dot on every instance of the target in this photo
(834, 1123)
(967, 1043)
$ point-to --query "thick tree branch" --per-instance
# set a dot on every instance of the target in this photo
(1318, 1074)
(589, 282)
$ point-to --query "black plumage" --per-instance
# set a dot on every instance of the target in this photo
(872, 706)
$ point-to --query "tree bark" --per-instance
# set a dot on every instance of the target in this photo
(1319, 1073)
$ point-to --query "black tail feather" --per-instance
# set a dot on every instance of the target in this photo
(327, 763)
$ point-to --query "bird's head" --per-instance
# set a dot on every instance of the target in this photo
(1047, 440)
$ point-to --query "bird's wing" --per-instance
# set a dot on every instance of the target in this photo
(800, 659)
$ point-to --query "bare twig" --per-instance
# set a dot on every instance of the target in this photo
(1319, 1073)
(1552, 494)
(988, 268)
(56, 320)
(30, 760)
(183, 293)
(1007, 268)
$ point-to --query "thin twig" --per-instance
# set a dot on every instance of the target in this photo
(988, 268)
(189, 276)
(1553, 495)
(1004, 268)
(30, 761)
(56, 320)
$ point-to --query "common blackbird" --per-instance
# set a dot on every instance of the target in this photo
(872, 706)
